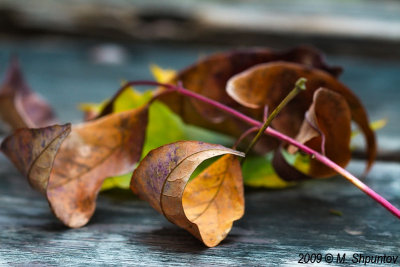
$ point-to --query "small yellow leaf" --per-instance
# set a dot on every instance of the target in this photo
(375, 126)
(162, 75)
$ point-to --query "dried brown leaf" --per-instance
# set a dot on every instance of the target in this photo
(209, 76)
(206, 206)
(267, 84)
(19, 106)
(33, 151)
(70, 169)
(327, 129)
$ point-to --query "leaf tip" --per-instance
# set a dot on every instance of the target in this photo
(13, 74)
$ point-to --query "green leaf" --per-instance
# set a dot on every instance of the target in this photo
(162, 75)
(258, 172)
(375, 126)
(121, 181)
(129, 99)
(164, 127)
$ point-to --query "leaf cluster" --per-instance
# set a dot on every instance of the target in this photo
(164, 136)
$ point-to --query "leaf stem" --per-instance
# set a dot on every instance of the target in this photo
(314, 154)
(299, 86)
(243, 136)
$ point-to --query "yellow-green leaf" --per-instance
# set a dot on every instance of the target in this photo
(162, 75)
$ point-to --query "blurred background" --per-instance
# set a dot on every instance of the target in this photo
(79, 51)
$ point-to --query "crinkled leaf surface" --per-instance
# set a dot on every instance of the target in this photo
(33, 151)
(207, 206)
(19, 106)
(72, 177)
(267, 84)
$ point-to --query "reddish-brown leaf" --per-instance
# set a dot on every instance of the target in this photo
(206, 206)
(327, 129)
(209, 76)
(19, 106)
(70, 169)
(267, 84)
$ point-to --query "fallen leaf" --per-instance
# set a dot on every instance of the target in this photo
(120, 181)
(374, 125)
(162, 75)
(259, 172)
(326, 129)
(214, 199)
(19, 106)
(209, 76)
(128, 98)
(330, 116)
(160, 119)
(267, 84)
(32, 151)
(70, 172)
(208, 205)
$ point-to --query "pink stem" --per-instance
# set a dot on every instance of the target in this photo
(109, 106)
(314, 154)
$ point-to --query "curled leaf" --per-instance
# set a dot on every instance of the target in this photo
(267, 84)
(19, 106)
(326, 129)
(206, 206)
(70, 169)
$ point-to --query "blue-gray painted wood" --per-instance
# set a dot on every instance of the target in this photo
(277, 226)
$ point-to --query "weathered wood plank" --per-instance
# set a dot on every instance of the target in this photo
(278, 225)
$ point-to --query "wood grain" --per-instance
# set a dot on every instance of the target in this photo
(277, 226)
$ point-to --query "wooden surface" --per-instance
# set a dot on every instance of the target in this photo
(278, 224)
(374, 26)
